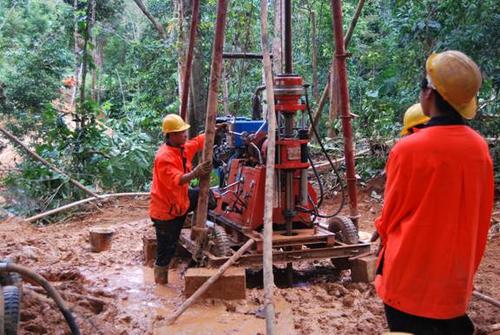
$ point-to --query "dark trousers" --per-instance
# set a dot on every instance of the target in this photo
(167, 232)
(402, 322)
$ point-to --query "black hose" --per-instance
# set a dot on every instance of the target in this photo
(25, 272)
(342, 189)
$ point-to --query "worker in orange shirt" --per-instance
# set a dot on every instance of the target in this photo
(437, 207)
(171, 197)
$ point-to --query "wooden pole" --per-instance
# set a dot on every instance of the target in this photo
(269, 184)
(43, 161)
(213, 90)
(345, 109)
(203, 288)
(189, 60)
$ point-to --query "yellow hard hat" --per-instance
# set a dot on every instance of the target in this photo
(457, 78)
(173, 123)
(413, 117)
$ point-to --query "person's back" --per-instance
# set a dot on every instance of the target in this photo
(448, 185)
(437, 207)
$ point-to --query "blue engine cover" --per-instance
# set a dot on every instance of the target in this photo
(242, 124)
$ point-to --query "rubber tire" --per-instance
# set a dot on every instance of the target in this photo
(12, 301)
(222, 243)
(345, 231)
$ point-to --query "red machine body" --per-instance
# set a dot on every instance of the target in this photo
(243, 202)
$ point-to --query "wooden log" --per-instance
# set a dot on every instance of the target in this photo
(215, 76)
(210, 281)
(43, 161)
(100, 238)
(269, 183)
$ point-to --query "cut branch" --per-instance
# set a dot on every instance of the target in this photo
(156, 24)
(43, 161)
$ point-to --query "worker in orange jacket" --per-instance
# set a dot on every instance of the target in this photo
(171, 197)
(437, 207)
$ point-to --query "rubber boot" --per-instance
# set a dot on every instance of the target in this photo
(161, 274)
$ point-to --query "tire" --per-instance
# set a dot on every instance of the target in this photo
(221, 242)
(345, 231)
(12, 301)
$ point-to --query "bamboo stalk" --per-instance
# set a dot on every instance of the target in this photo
(269, 183)
(43, 161)
(203, 288)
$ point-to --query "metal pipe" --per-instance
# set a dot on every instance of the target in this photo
(340, 56)
(288, 36)
(189, 61)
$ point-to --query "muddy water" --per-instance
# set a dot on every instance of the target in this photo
(150, 305)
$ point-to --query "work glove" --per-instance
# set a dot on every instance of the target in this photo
(202, 169)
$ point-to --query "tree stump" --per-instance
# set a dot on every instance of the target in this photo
(100, 239)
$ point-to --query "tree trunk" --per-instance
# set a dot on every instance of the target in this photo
(225, 91)
(76, 37)
(94, 57)
(199, 92)
(278, 38)
(314, 56)
(182, 46)
(90, 10)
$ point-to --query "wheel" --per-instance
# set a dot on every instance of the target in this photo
(12, 300)
(345, 231)
(221, 242)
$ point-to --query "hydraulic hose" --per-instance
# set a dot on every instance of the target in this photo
(27, 273)
(335, 170)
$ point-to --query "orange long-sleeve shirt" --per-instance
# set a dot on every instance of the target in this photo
(169, 199)
(435, 220)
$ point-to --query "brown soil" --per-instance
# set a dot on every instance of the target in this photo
(113, 293)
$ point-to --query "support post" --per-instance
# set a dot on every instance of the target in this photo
(213, 89)
(340, 56)
(269, 184)
(189, 61)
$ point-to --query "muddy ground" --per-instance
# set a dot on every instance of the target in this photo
(113, 293)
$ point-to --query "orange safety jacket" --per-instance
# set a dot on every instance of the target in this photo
(169, 199)
(435, 220)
